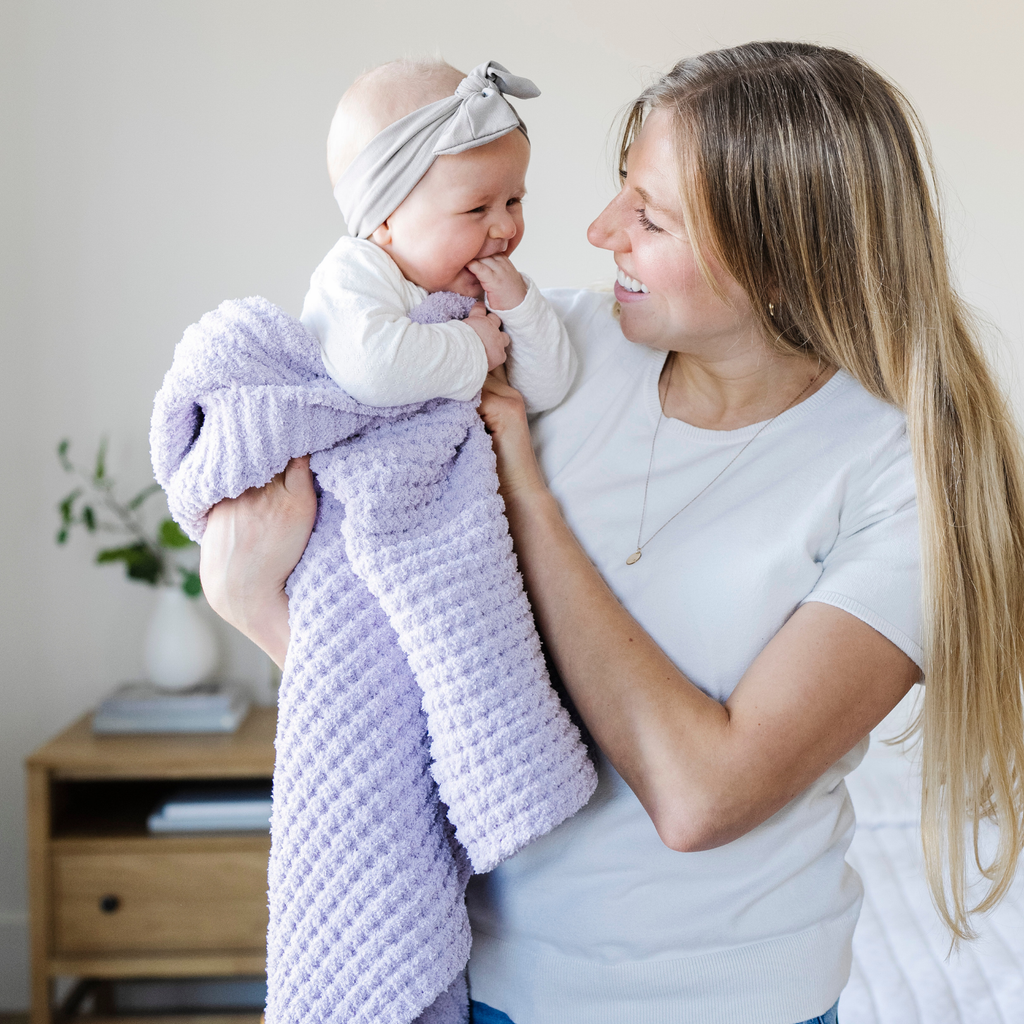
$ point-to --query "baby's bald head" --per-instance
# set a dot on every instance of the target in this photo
(379, 98)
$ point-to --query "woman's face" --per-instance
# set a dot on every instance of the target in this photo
(666, 302)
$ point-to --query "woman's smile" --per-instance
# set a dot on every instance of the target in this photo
(628, 289)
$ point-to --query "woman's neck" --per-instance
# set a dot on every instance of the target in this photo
(729, 393)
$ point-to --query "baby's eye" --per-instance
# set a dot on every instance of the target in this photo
(514, 201)
(645, 222)
(478, 209)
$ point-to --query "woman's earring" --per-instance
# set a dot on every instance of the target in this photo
(771, 310)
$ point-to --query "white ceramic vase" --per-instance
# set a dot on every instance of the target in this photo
(181, 647)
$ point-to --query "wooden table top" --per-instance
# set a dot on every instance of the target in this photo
(78, 753)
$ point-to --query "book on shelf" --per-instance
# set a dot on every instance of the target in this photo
(146, 708)
(219, 810)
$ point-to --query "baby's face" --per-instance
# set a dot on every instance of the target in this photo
(465, 207)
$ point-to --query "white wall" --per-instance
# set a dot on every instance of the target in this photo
(156, 158)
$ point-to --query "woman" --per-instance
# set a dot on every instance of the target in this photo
(786, 447)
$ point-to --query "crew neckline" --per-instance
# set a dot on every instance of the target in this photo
(680, 428)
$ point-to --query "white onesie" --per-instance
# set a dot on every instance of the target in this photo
(358, 304)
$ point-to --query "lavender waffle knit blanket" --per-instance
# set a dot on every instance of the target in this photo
(418, 737)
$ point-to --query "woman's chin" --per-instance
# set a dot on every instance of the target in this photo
(635, 326)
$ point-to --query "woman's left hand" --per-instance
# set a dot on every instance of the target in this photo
(504, 414)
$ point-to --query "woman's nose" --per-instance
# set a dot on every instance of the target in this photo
(606, 232)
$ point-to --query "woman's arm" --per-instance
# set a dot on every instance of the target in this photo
(705, 773)
(250, 547)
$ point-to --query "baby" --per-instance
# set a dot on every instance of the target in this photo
(429, 167)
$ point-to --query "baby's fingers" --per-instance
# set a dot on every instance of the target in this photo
(488, 268)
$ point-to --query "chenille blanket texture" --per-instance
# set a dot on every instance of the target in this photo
(419, 739)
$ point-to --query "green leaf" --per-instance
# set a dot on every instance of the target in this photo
(149, 566)
(62, 536)
(62, 454)
(89, 518)
(101, 461)
(171, 535)
(117, 554)
(190, 582)
(141, 562)
(66, 507)
(142, 496)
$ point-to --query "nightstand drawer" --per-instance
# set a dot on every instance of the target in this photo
(160, 901)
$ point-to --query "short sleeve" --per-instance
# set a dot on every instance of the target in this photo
(873, 570)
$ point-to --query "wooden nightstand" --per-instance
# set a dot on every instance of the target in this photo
(109, 900)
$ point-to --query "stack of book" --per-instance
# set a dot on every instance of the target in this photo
(145, 708)
(222, 810)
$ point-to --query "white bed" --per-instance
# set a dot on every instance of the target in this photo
(901, 974)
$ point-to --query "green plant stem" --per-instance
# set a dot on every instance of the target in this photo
(129, 521)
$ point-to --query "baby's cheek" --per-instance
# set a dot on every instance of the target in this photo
(518, 237)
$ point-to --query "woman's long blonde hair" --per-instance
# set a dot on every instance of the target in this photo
(807, 175)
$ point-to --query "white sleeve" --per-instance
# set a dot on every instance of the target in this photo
(541, 362)
(357, 306)
(874, 568)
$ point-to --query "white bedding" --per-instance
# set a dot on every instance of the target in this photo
(901, 974)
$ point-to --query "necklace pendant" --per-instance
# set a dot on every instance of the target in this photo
(633, 558)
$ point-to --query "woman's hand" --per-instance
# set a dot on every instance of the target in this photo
(250, 547)
(504, 414)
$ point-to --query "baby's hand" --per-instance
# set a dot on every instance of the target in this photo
(488, 328)
(503, 284)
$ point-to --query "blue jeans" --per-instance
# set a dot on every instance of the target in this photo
(484, 1014)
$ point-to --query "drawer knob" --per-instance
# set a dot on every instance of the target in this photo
(109, 904)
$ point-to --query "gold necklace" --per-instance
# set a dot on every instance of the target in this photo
(636, 556)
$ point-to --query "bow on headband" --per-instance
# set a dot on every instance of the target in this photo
(388, 169)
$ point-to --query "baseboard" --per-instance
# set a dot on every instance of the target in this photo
(13, 961)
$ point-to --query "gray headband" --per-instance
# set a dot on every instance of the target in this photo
(388, 169)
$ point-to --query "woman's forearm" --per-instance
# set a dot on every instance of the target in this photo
(705, 773)
(257, 610)
(269, 629)
(641, 710)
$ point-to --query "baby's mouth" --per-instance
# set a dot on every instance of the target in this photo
(629, 283)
